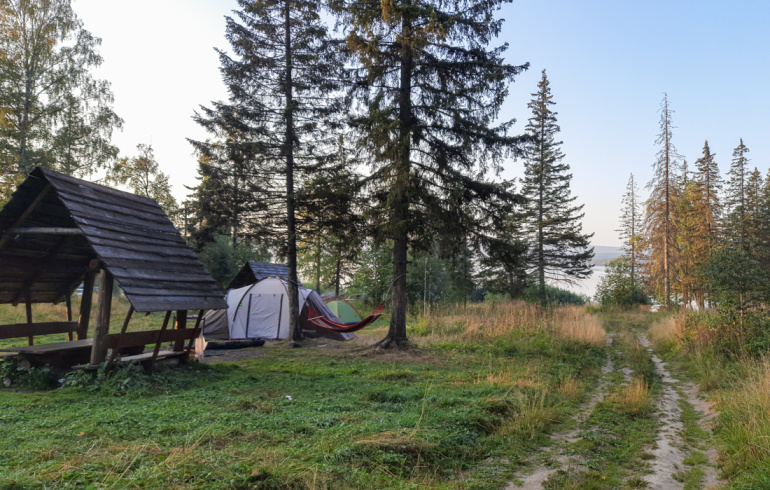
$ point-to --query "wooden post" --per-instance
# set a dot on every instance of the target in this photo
(30, 339)
(69, 316)
(98, 352)
(181, 322)
(123, 329)
(151, 362)
(85, 305)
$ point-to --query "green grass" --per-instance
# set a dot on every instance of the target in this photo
(436, 415)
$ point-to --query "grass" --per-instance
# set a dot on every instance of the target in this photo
(485, 384)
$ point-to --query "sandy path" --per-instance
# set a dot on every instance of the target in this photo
(536, 479)
(669, 457)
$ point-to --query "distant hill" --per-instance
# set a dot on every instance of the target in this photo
(603, 254)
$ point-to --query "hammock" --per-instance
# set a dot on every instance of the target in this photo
(321, 321)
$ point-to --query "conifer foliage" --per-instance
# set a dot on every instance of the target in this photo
(631, 228)
(659, 225)
(427, 90)
(558, 250)
(281, 81)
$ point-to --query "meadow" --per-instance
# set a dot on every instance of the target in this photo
(465, 407)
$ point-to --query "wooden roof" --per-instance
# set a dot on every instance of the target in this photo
(130, 235)
(252, 272)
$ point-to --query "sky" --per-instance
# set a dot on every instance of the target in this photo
(609, 64)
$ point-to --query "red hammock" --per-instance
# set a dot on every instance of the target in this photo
(321, 321)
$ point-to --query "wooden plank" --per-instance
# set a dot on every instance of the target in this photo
(47, 230)
(150, 303)
(205, 290)
(187, 265)
(125, 215)
(105, 230)
(46, 263)
(197, 329)
(147, 246)
(91, 190)
(137, 339)
(21, 219)
(108, 204)
(28, 309)
(150, 356)
(153, 274)
(68, 304)
(99, 352)
(19, 330)
(113, 252)
(50, 348)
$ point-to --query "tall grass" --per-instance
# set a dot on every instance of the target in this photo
(479, 322)
(745, 422)
(666, 330)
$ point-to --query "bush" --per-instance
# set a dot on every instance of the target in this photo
(554, 295)
(617, 288)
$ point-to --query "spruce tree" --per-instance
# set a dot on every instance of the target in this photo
(658, 225)
(753, 214)
(281, 78)
(735, 197)
(708, 182)
(427, 92)
(558, 248)
(631, 227)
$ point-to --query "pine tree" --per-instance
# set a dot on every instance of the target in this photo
(689, 246)
(52, 111)
(735, 198)
(281, 79)
(708, 182)
(559, 250)
(631, 227)
(658, 226)
(428, 90)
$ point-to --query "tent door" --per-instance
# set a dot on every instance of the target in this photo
(280, 311)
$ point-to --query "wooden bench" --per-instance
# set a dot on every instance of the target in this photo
(124, 343)
(31, 330)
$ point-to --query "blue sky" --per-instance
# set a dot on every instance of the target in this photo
(609, 63)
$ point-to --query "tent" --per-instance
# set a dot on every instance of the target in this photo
(261, 310)
(344, 311)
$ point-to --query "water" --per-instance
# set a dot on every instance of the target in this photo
(587, 286)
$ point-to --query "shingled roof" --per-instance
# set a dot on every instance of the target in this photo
(252, 272)
(55, 226)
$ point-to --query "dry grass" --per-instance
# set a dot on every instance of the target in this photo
(484, 321)
(635, 398)
(666, 330)
(506, 377)
(570, 388)
(572, 322)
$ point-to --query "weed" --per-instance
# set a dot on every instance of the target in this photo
(634, 400)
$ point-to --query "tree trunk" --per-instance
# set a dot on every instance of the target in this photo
(666, 282)
(291, 228)
(318, 267)
(337, 279)
(400, 214)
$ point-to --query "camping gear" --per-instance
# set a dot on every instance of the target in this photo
(252, 272)
(261, 311)
(344, 311)
(328, 325)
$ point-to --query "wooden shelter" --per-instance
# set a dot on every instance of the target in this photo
(58, 232)
(252, 272)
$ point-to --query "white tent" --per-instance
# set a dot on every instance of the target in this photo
(261, 310)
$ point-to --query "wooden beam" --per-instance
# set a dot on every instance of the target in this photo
(69, 316)
(151, 362)
(28, 307)
(122, 332)
(98, 351)
(20, 330)
(85, 305)
(45, 231)
(21, 219)
(181, 323)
